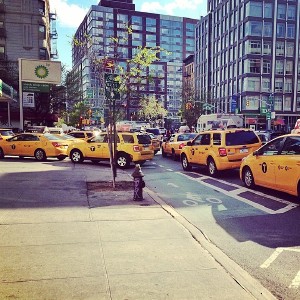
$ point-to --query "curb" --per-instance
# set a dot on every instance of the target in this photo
(243, 278)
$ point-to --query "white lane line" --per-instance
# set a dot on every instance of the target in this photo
(169, 170)
(244, 200)
(172, 184)
(161, 166)
(274, 255)
(296, 282)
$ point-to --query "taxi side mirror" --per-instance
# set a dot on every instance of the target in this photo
(189, 143)
(255, 153)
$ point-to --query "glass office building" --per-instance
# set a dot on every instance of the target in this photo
(247, 52)
(174, 34)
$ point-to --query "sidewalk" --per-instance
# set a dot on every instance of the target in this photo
(68, 242)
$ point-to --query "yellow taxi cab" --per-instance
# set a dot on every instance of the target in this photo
(275, 165)
(155, 142)
(82, 134)
(174, 144)
(131, 147)
(6, 133)
(219, 149)
(38, 145)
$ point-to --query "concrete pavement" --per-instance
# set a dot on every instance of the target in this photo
(61, 240)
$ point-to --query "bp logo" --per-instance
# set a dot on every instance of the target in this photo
(41, 72)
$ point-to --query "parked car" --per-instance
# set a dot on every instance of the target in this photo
(6, 133)
(219, 149)
(131, 147)
(36, 145)
(266, 136)
(275, 165)
(155, 142)
(175, 143)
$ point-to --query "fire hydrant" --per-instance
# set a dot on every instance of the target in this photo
(139, 183)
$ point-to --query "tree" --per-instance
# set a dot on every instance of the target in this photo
(151, 110)
(126, 87)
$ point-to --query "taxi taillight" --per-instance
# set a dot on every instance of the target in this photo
(56, 144)
(136, 148)
(222, 152)
(181, 145)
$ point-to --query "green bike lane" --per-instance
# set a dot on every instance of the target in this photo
(248, 226)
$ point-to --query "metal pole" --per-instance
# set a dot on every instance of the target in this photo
(21, 95)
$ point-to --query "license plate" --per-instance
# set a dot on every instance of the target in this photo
(146, 148)
(243, 150)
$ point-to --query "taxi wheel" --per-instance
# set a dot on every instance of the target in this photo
(211, 167)
(1, 153)
(185, 163)
(123, 161)
(248, 178)
(76, 156)
(40, 155)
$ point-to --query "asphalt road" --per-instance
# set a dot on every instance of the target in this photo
(258, 229)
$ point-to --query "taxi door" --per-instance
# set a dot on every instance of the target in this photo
(94, 146)
(14, 146)
(199, 149)
(264, 163)
(288, 165)
(167, 145)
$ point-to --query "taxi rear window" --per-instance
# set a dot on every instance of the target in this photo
(6, 132)
(241, 138)
(144, 139)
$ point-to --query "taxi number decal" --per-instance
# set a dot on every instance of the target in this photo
(92, 148)
(264, 167)
(13, 146)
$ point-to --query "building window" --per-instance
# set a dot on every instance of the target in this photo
(253, 9)
(298, 104)
(43, 53)
(268, 10)
(253, 28)
(287, 104)
(290, 33)
(267, 48)
(281, 11)
(289, 67)
(291, 13)
(280, 30)
(288, 87)
(268, 29)
(255, 47)
(278, 103)
(27, 36)
(265, 85)
(136, 23)
(279, 67)
(42, 7)
(278, 84)
(290, 49)
(266, 66)
(2, 52)
(298, 86)
(42, 31)
(255, 66)
(280, 48)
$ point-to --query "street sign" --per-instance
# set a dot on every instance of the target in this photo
(112, 87)
(89, 93)
(35, 87)
(268, 115)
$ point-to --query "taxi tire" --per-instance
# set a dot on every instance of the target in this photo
(40, 155)
(76, 156)
(248, 178)
(211, 167)
(123, 161)
(1, 153)
(185, 163)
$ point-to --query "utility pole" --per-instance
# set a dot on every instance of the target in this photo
(270, 109)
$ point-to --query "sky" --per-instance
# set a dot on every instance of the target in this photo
(70, 14)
